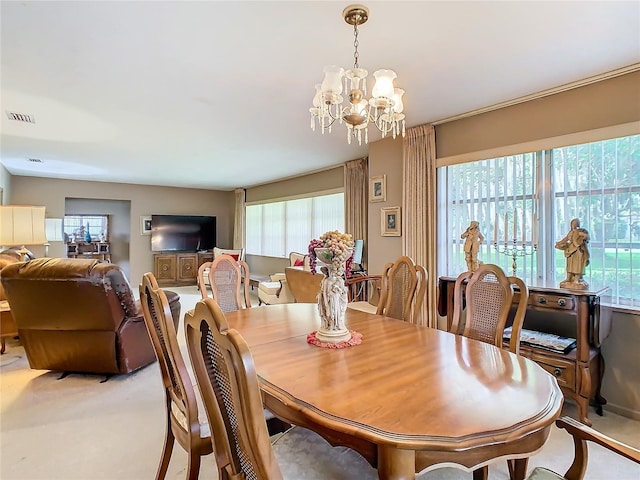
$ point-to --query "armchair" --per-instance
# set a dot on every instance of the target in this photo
(79, 315)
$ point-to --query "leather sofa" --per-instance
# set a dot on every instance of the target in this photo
(79, 315)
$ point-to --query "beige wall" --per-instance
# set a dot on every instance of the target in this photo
(385, 158)
(145, 200)
(611, 102)
(314, 182)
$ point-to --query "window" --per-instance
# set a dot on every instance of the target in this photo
(275, 229)
(76, 226)
(598, 183)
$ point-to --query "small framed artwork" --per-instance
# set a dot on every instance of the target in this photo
(378, 189)
(145, 225)
(391, 222)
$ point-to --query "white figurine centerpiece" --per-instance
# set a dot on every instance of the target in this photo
(335, 251)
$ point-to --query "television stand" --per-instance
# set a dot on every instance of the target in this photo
(178, 268)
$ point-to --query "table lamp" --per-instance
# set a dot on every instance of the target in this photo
(22, 225)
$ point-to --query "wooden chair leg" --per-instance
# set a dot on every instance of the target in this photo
(193, 469)
(481, 473)
(167, 449)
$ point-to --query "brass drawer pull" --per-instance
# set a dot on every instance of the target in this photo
(562, 302)
(557, 372)
(542, 300)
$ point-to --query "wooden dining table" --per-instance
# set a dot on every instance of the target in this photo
(408, 398)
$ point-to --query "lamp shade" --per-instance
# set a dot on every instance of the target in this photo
(22, 225)
(384, 83)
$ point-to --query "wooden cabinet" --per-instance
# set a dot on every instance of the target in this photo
(569, 313)
(178, 268)
(97, 250)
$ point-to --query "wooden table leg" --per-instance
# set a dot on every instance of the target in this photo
(396, 464)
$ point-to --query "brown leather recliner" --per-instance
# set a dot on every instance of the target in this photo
(77, 315)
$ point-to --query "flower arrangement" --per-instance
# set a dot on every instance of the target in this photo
(339, 250)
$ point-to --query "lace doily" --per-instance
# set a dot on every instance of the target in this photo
(356, 339)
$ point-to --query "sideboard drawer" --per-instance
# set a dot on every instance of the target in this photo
(563, 370)
(551, 301)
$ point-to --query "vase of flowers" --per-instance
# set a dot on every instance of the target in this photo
(334, 250)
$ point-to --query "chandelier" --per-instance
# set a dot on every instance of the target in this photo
(383, 109)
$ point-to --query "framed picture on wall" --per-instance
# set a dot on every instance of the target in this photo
(378, 189)
(145, 225)
(391, 222)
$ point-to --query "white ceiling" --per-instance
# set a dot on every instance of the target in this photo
(216, 94)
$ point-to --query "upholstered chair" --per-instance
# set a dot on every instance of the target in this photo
(402, 290)
(485, 298)
(186, 423)
(228, 279)
(79, 315)
(224, 369)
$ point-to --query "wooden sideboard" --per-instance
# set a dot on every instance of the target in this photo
(570, 313)
(178, 268)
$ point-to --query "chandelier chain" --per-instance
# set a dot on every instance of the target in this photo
(356, 55)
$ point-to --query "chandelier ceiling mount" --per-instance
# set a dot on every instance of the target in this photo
(383, 109)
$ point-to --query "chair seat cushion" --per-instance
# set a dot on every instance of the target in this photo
(540, 473)
(362, 306)
(305, 455)
(270, 288)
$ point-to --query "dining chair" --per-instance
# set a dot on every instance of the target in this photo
(485, 298)
(581, 435)
(228, 279)
(303, 284)
(184, 421)
(402, 290)
(363, 292)
(225, 371)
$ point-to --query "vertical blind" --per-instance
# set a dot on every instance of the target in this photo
(598, 183)
(278, 228)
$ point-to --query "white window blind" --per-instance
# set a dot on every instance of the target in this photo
(278, 228)
(598, 183)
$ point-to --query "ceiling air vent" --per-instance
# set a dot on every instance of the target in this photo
(21, 117)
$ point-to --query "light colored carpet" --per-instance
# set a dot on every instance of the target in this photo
(79, 428)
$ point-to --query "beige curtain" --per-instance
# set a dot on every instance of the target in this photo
(238, 225)
(419, 205)
(355, 201)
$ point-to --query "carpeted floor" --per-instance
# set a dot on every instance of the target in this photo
(79, 428)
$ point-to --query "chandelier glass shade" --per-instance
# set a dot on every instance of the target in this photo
(383, 109)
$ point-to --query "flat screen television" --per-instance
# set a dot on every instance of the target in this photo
(182, 233)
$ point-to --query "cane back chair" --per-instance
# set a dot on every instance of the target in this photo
(229, 282)
(486, 297)
(224, 368)
(402, 290)
(183, 422)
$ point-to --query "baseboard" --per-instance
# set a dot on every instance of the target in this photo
(622, 411)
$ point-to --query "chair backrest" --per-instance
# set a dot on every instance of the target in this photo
(181, 399)
(237, 254)
(486, 297)
(402, 290)
(229, 282)
(300, 260)
(303, 284)
(225, 372)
